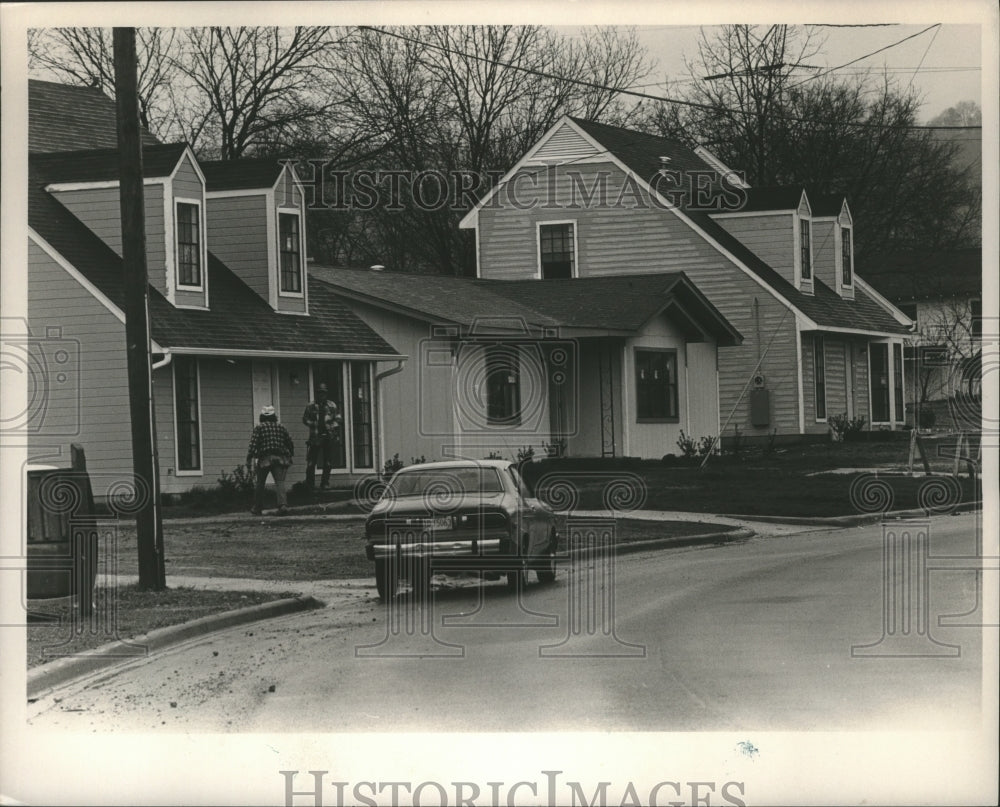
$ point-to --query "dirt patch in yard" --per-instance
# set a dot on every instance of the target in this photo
(123, 613)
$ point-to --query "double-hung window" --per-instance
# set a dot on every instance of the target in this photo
(656, 385)
(503, 387)
(187, 414)
(819, 365)
(290, 253)
(188, 244)
(557, 250)
(847, 256)
(806, 248)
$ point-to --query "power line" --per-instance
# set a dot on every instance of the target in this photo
(867, 55)
(644, 95)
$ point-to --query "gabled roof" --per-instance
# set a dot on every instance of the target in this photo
(242, 174)
(621, 304)
(239, 320)
(102, 165)
(641, 153)
(63, 117)
(826, 205)
(910, 276)
(773, 198)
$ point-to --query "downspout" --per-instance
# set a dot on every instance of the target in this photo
(378, 403)
(167, 358)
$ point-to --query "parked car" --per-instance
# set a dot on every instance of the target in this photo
(460, 515)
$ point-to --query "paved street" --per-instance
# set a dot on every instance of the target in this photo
(751, 635)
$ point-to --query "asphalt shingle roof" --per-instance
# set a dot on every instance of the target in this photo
(783, 197)
(239, 319)
(641, 153)
(908, 276)
(616, 303)
(102, 165)
(63, 117)
(243, 174)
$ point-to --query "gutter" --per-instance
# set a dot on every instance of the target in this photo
(378, 402)
(167, 358)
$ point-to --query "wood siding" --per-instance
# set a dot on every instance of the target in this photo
(771, 238)
(564, 142)
(826, 245)
(621, 240)
(287, 194)
(92, 406)
(100, 210)
(237, 235)
(188, 185)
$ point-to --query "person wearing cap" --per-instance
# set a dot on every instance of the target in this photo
(270, 452)
(323, 419)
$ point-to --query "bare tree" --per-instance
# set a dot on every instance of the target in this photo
(964, 113)
(253, 85)
(858, 137)
(84, 56)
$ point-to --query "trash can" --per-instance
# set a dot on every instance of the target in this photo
(61, 533)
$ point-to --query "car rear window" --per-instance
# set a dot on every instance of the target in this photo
(447, 480)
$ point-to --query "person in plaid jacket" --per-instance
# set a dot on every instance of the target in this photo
(323, 419)
(270, 452)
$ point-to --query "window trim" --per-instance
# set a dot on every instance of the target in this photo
(846, 231)
(515, 419)
(805, 226)
(819, 352)
(202, 246)
(675, 387)
(200, 470)
(575, 270)
(291, 211)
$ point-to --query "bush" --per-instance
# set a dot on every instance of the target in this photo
(687, 445)
(845, 428)
(239, 483)
(525, 454)
(391, 466)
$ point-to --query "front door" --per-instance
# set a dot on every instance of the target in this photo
(331, 373)
(878, 354)
(264, 379)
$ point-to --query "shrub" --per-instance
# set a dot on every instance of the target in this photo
(494, 455)
(736, 445)
(418, 461)
(525, 454)
(239, 483)
(845, 428)
(706, 446)
(391, 466)
(687, 445)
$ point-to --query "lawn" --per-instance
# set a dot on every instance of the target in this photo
(272, 548)
(135, 613)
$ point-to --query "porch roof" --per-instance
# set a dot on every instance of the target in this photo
(618, 304)
(239, 320)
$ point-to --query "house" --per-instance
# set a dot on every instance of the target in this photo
(235, 320)
(942, 293)
(590, 201)
(600, 366)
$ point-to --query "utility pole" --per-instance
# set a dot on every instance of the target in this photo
(149, 527)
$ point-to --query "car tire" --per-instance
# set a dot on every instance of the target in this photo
(420, 579)
(546, 569)
(517, 579)
(386, 579)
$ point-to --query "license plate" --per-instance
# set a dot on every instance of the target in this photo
(437, 523)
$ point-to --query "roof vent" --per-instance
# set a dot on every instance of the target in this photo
(377, 267)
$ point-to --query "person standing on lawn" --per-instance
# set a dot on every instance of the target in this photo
(270, 452)
(323, 419)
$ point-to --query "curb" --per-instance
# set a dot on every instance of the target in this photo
(858, 520)
(721, 537)
(62, 671)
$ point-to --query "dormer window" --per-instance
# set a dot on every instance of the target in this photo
(189, 239)
(806, 248)
(557, 250)
(290, 253)
(847, 256)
